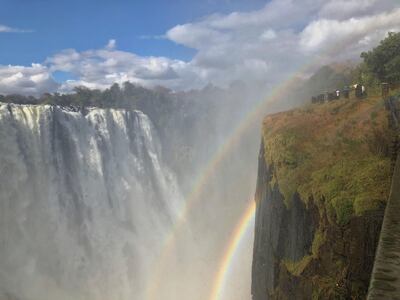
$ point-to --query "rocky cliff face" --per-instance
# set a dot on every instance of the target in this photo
(281, 233)
(304, 248)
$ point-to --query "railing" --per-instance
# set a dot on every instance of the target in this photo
(385, 278)
(390, 104)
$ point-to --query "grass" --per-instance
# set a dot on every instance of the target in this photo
(337, 155)
(318, 241)
(296, 268)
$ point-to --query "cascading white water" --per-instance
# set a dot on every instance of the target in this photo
(85, 201)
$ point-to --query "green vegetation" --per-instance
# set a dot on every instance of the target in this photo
(327, 288)
(127, 95)
(296, 268)
(383, 62)
(338, 153)
(338, 156)
(319, 239)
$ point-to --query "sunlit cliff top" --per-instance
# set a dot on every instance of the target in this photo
(337, 153)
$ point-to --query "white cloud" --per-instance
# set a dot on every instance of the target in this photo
(268, 35)
(324, 33)
(4, 28)
(33, 80)
(112, 44)
(284, 35)
(265, 45)
(102, 67)
(194, 36)
(344, 9)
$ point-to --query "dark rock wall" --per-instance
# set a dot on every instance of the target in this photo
(339, 270)
(280, 233)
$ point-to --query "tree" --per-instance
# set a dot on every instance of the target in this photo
(384, 60)
(82, 96)
(113, 96)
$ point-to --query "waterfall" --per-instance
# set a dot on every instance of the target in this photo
(85, 201)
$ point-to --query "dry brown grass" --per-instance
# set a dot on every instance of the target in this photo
(335, 153)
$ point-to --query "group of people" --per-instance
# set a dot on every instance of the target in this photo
(358, 89)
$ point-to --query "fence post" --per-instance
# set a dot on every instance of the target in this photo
(385, 89)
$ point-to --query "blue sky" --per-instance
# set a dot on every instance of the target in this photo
(56, 45)
(89, 24)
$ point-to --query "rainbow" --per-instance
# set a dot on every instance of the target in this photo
(238, 234)
(254, 115)
(244, 223)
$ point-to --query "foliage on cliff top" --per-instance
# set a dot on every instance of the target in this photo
(336, 153)
(384, 60)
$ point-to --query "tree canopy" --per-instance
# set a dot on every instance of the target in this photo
(384, 60)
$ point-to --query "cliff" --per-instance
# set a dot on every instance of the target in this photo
(323, 180)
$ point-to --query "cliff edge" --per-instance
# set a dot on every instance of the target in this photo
(323, 180)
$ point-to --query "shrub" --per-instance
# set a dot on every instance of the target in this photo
(384, 60)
